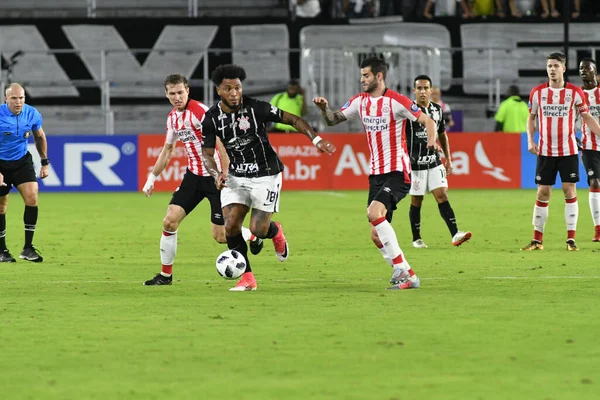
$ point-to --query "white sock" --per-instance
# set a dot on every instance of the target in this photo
(540, 215)
(247, 234)
(168, 248)
(391, 248)
(595, 207)
(385, 257)
(571, 213)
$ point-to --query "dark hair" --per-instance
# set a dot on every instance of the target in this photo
(590, 60)
(513, 90)
(377, 65)
(422, 78)
(176, 79)
(557, 56)
(228, 71)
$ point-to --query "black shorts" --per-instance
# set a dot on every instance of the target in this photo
(193, 189)
(16, 172)
(388, 189)
(547, 168)
(591, 162)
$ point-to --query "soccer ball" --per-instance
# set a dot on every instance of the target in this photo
(231, 264)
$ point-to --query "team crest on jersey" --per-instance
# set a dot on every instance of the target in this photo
(385, 109)
(27, 134)
(187, 125)
(568, 98)
(243, 123)
(435, 115)
(273, 110)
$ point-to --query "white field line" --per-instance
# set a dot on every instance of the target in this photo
(466, 278)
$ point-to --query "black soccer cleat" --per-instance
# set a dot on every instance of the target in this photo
(6, 257)
(159, 280)
(32, 254)
(256, 246)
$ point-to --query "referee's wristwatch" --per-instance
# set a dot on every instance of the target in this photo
(45, 161)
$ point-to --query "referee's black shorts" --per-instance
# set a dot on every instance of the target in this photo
(16, 172)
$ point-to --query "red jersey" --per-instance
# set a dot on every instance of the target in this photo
(383, 119)
(186, 126)
(589, 140)
(557, 110)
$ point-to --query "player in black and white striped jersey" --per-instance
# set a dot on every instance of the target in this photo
(255, 171)
(428, 173)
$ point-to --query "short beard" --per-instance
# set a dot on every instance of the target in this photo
(232, 108)
(371, 88)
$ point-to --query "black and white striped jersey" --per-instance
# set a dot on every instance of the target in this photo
(416, 139)
(244, 135)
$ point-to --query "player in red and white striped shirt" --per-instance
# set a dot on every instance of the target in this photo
(590, 142)
(384, 113)
(555, 105)
(184, 123)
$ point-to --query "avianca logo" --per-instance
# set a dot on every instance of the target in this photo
(484, 161)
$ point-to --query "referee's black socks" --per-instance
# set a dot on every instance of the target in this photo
(30, 217)
(2, 232)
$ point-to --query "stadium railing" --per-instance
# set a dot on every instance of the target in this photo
(331, 72)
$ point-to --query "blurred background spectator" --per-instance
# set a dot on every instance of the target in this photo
(512, 113)
(292, 101)
(436, 97)
(359, 8)
(439, 8)
(307, 8)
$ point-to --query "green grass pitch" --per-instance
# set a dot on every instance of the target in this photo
(489, 321)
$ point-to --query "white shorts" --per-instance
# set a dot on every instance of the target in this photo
(260, 193)
(426, 180)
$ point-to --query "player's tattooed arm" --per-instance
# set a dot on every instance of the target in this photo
(298, 123)
(331, 118)
(223, 155)
(208, 159)
(301, 125)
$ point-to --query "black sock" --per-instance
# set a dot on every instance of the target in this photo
(414, 215)
(273, 231)
(448, 214)
(238, 243)
(30, 219)
(2, 232)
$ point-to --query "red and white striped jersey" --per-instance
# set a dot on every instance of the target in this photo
(384, 119)
(186, 126)
(589, 140)
(557, 110)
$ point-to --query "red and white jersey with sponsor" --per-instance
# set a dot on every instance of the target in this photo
(186, 126)
(383, 119)
(557, 110)
(589, 140)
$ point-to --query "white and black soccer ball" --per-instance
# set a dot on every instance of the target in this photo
(231, 264)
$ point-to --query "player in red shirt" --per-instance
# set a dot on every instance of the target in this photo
(590, 143)
(555, 105)
(184, 123)
(384, 113)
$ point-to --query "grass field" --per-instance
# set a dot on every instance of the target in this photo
(489, 322)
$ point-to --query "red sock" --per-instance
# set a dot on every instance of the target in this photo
(167, 269)
(537, 235)
(570, 235)
(252, 238)
(411, 272)
(398, 260)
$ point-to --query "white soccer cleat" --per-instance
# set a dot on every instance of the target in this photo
(460, 238)
(419, 244)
